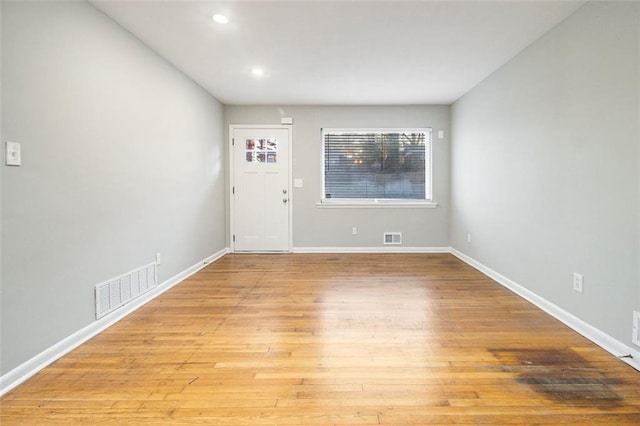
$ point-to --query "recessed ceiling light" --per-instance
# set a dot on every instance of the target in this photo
(220, 19)
(258, 72)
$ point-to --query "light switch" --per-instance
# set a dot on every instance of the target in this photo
(440, 134)
(297, 183)
(12, 153)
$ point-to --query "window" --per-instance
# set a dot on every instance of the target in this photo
(376, 165)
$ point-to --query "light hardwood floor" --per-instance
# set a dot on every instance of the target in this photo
(333, 339)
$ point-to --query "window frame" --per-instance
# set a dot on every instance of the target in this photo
(380, 202)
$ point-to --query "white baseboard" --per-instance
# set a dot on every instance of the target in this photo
(29, 368)
(597, 336)
(390, 249)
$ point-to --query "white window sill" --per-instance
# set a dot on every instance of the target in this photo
(376, 204)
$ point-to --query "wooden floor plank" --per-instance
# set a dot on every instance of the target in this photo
(333, 339)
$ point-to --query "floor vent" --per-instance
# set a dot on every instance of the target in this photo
(393, 237)
(117, 292)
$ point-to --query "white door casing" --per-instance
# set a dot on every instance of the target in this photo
(260, 160)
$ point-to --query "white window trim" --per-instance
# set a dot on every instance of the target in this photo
(365, 203)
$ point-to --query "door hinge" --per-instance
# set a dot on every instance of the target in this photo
(233, 189)
(234, 238)
(233, 142)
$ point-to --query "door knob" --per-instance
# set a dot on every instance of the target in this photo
(284, 200)
(284, 191)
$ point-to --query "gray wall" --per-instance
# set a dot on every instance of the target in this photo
(1, 163)
(122, 158)
(545, 159)
(322, 227)
(638, 167)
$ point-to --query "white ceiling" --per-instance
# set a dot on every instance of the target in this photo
(339, 52)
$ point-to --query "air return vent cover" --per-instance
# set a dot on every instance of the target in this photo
(117, 292)
(393, 237)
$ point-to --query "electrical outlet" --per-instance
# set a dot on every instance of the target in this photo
(636, 328)
(158, 258)
(354, 231)
(577, 282)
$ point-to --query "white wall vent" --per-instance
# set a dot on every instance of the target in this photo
(117, 292)
(393, 237)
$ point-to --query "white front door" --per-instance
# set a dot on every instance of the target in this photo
(260, 188)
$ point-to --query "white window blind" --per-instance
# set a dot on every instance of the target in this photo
(377, 164)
